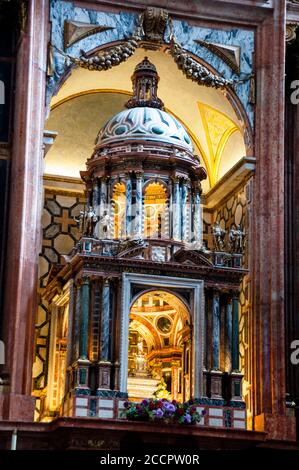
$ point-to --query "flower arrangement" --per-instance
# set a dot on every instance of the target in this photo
(163, 410)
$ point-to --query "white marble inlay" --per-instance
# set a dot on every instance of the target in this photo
(239, 414)
(215, 422)
(81, 401)
(105, 403)
(81, 411)
(215, 412)
(105, 413)
(239, 424)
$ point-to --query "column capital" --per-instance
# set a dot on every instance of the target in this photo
(84, 280)
(139, 175)
(104, 179)
(175, 179)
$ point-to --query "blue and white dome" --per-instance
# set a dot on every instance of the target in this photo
(145, 123)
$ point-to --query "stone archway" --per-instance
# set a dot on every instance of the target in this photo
(191, 308)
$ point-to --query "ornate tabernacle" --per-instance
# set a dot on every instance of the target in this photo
(142, 300)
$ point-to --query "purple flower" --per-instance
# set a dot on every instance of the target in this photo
(126, 404)
(145, 402)
(169, 407)
(204, 412)
(158, 413)
(188, 418)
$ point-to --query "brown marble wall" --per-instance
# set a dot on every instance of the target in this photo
(25, 211)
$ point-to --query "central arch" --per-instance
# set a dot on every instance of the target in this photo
(183, 306)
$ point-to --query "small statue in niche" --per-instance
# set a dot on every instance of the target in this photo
(236, 240)
(87, 221)
(140, 359)
(219, 235)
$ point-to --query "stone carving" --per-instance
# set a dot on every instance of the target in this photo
(219, 235)
(113, 56)
(236, 240)
(228, 53)
(154, 24)
(87, 221)
(74, 31)
(133, 243)
(105, 222)
(194, 70)
(151, 25)
(291, 32)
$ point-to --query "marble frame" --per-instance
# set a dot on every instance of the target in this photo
(196, 288)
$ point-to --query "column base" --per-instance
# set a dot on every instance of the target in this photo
(16, 407)
(216, 384)
(277, 427)
(235, 386)
(104, 375)
(205, 377)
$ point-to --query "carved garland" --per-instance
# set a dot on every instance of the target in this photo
(104, 60)
(194, 70)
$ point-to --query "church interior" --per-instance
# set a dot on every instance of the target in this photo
(154, 256)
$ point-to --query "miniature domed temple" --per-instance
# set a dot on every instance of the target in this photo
(139, 298)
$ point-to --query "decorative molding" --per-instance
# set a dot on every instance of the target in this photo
(74, 31)
(154, 24)
(228, 53)
(112, 56)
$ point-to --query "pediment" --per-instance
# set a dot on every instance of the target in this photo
(192, 257)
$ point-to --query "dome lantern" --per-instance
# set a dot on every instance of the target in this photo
(145, 85)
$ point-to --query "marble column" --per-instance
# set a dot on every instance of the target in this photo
(128, 206)
(216, 331)
(95, 203)
(228, 333)
(69, 350)
(84, 320)
(216, 374)
(138, 219)
(25, 203)
(267, 234)
(184, 217)
(105, 359)
(76, 331)
(170, 205)
(235, 333)
(197, 216)
(105, 320)
(176, 210)
(103, 195)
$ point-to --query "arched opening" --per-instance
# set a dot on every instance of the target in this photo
(119, 204)
(155, 211)
(159, 347)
